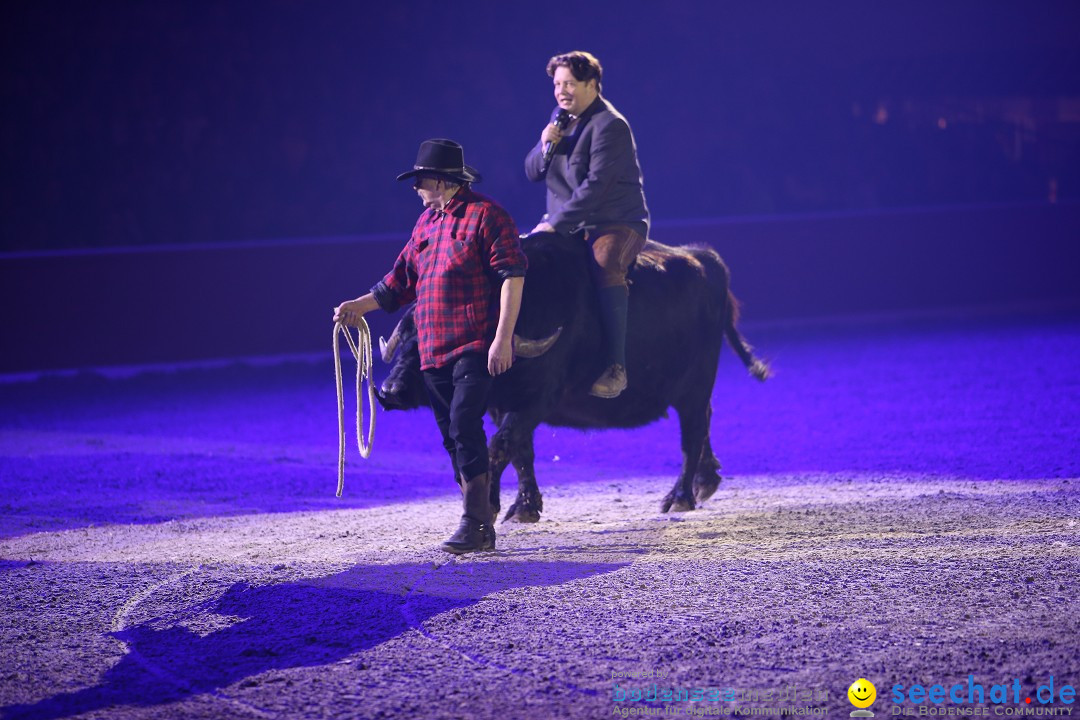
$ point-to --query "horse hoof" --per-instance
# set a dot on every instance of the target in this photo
(704, 488)
(682, 505)
(521, 515)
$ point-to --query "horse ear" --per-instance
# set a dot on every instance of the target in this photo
(529, 348)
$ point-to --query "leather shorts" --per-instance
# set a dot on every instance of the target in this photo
(614, 248)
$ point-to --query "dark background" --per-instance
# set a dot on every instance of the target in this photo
(189, 181)
(148, 123)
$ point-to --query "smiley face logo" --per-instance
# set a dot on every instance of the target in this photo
(862, 693)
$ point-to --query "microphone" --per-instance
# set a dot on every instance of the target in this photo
(561, 121)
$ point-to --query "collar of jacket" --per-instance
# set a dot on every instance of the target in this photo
(456, 205)
(597, 105)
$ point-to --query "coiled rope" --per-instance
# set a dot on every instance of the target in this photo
(361, 350)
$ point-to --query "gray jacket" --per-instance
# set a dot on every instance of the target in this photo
(594, 178)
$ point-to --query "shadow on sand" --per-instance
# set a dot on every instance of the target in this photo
(288, 625)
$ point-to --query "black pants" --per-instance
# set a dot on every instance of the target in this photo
(458, 394)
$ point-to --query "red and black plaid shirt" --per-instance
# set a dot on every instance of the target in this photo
(453, 267)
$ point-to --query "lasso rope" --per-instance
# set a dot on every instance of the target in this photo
(361, 350)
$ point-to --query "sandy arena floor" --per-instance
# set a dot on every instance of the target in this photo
(900, 503)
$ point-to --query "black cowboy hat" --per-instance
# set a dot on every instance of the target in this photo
(440, 156)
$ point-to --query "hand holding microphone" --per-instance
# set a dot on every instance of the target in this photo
(553, 134)
(550, 137)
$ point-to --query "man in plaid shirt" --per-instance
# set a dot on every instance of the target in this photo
(464, 268)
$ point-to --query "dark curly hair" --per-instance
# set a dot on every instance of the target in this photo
(582, 65)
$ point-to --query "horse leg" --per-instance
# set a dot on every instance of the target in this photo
(707, 478)
(693, 427)
(498, 459)
(514, 440)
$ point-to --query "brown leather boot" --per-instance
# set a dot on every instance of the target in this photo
(477, 530)
(611, 383)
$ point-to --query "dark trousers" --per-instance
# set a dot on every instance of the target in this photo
(458, 394)
(614, 249)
